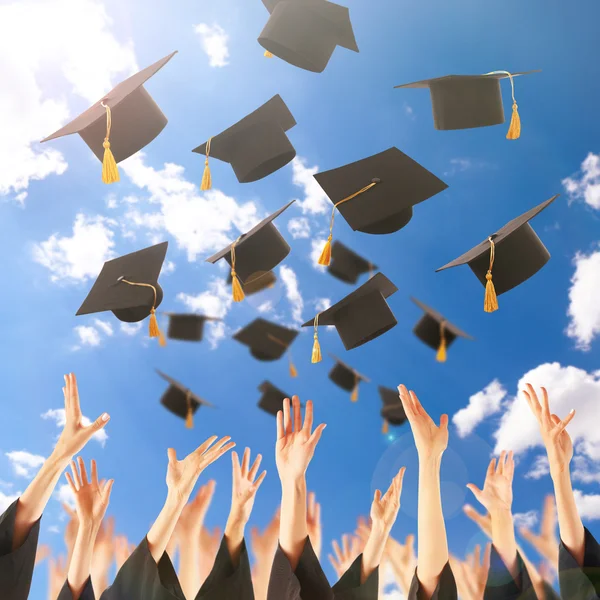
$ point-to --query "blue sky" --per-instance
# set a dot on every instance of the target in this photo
(59, 223)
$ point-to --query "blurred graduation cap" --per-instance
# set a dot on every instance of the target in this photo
(346, 377)
(346, 265)
(255, 147)
(272, 398)
(187, 327)
(128, 286)
(255, 286)
(376, 194)
(181, 401)
(360, 317)
(392, 410)
(435, 331)
(254, 253)
(126, 120)
(304, 33)
(514, 253)
(467, 101)
(268, 341)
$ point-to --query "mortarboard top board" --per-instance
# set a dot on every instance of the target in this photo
(304, 33)
(263, 282)
(346, 265)
(511, 256)
(361, 316)
(254, 253)
(272, 398)
(267, 341)
(187, 327)
(180, 400)
(346, 377)
(256, 146)
(135, 118)
(468, 101)
(128, 286)
(392, 410)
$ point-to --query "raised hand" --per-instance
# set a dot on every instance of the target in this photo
(497, 490)
(123, 550)
(546, 542)
(41, 554)
(70, 531)
(484, 521)
(57, 575)
(193, 514)
(104, 555)
(343, 557)
(471, 574)
(245, 485)
(403, 560)
(313, 524)
(384, 510)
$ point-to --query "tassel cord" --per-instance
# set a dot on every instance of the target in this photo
(110, 171)
(316, 351)
(514, 129)
(236, 286)
(490, 303)
(153, 329)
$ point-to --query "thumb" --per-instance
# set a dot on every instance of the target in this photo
(172, 455)
(106, 491)
(476, 491)
(377, 496)
(444, 422)
(99, 423)
(316, 435)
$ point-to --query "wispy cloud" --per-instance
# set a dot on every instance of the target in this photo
(214, 42)
(585, 185)
(25, 464)
(292, 292)
(481, 405)
(461, 165)
(315, 200)
(58, 416)
(299, 227)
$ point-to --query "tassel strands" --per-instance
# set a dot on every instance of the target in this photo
(386, 427)
(236, 286)
(316, 350)
(110, 172)
(441, 353)
(293, 370)
(153, 329)
(206, 176)
(514, 129)
(268, 54)
(490, 302)
(189, 417)
(354, 395)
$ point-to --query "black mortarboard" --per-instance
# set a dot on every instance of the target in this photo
(180, 400)
(467, 101)
(346, 265)
(346, 377)
(128, 286)
(514, 254)
(435, 331)
(256, 146)
(376, 194)
(127, 115)
(272, 398)
(254, 253)
(392, 410)
(360, 317)
(187, 327)
(263, 282)
(305, 33)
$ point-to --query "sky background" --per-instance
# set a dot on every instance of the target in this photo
(59, 224)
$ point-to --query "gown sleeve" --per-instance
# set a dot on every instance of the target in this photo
(501, 585)
(226, 581)
(445, 590)
(16, 567)
(580, 583)
(349, 586)
(86, 594)
(307, 582)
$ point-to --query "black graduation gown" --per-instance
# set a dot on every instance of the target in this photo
(308, 581)
(550, 592)
(16, 568)
(500, 584)
(580, 583)
(86, 594)
(445, 589)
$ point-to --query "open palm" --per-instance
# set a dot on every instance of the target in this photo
(384, 510)
(91, 498)
(194, 512)
(497, 489)
(245, 484)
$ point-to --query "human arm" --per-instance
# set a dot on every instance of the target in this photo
(403, 561)
(313, 524)
(263, 547)
(345, 554)
(104, 555)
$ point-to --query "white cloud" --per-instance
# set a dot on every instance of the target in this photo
(130, 328)
(53, 529)
(322, 304)
(88, 336)
(24, 463)
(315, 253)
(292, 292)
(80, 256)
(527, 519)
(587, 186)
(584, 300)
(104, 326)
(58, 416)
(481, 405)
(408, 111)
(7, 499)
(584, 470)
(64, 494)
(588, 505)
(299, 227)
(540, 468)
(168, 267)
(213, 40)
(265, 307)
(315, 200)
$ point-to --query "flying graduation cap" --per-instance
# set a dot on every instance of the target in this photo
(358, 318)
(254, 253)
(435, 331)
(346, 377)
(346, 265)
(304, 33)
(392, 411)
(181, 401)
(187, 327)
(468, 101)
(513, 254)
(376, 194)
(255, 286)
(128, 286)
(126, 120)
(268, 341)
(255, 147)
(272, 398)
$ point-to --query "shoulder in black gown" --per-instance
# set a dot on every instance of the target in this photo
(580, 583)
(501, 585)
(445, 590)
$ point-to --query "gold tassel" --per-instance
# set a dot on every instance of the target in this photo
(316, 351)
(189, 418)
(268, 54)
(110, 172)
(490, 302)
(441, 353)
(354, 395)
(386, 427)
(514, 131)
(293, 370)
(153, 329)
(325, 257)
(206, 176)
(236, 286)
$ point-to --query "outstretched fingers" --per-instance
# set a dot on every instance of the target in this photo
(255, 467)
(561, 425)
(287, 418)
(297, 414)
(308, 418)
(316, 435)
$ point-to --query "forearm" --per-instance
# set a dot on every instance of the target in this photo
(433, 545)
(234, 535)
(293, 530)
(373, 552)
(503, 538)
(191, 564)
(99, 582)
(572, 533)
(81, 561)
(260, 581)
(161, 531)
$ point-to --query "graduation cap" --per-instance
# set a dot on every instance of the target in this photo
(376, 194)
(187, 327)
(126, 120)
(272, 398)
(128, 286)
(392, 410)
(360, 317)
(304, 33)
(255, 147)
(268, 341)
(263, 282)
(435, 331)
(467, 101)
(514, 253)
(346, 265)
(254, 253)
(346, 377)
(180, 400)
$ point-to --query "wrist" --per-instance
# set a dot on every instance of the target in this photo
(430, 463)
(237, 518)
(379, 531)
(176, 499)
(293, 483)
(560, 473)
(500, 513)
(58, 461)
